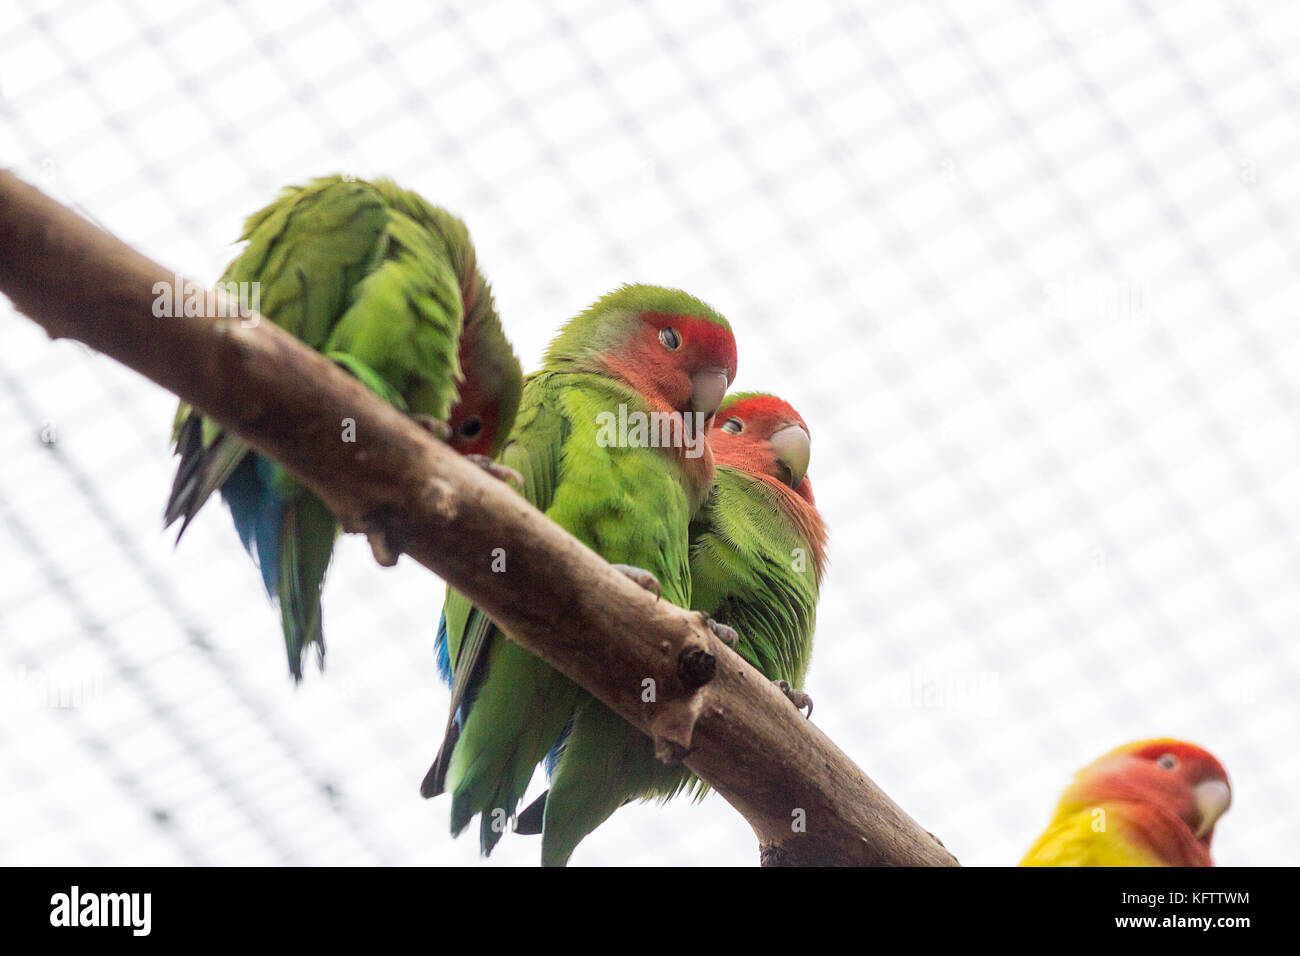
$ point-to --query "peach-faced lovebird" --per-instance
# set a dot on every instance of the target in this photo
(387, 286)
(1150, 803)
(611, 443)
(758, 547)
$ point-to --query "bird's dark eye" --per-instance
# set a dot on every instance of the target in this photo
(669, 337)
(471, 426)
(733, 425)
(1168, 761)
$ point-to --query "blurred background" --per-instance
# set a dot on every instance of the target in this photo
(1029, 271)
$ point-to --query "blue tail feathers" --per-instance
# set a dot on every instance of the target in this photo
(259, 515)
(440, 649)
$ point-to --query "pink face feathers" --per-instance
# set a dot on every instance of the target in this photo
(678, 363)
(763, 435)
(1178, 789)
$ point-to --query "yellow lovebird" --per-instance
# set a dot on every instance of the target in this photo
(1149, 803)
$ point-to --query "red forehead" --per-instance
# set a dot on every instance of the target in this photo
(709, 340)
(1200, 762)
(761, 409)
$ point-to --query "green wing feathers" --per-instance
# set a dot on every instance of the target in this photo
(631, 507)
(306, 546)
(405, 316)
(747, 572)
(375, 278)
(520, 706)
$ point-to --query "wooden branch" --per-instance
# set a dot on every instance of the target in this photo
(807, 802)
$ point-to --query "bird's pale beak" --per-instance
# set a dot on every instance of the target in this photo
(1212, 799)
(793, 448)
(708, 388)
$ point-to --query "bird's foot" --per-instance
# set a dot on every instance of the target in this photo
(799, 698)
(723, 632)
(498, 471)
(639, 576)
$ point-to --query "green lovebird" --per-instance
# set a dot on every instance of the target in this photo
(758, 550)
(387, 286)
(611, 443)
